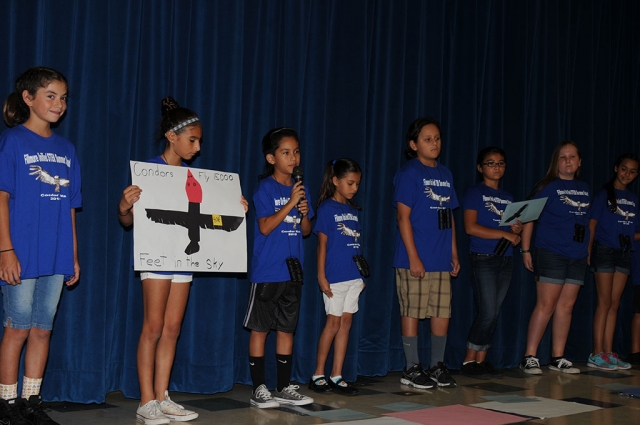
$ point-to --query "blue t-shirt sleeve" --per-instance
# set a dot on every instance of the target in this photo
(405, 190)
(263, 203)
(7, 165)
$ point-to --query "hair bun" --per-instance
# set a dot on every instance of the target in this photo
(169, 103)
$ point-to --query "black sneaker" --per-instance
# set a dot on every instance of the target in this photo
(417, 377)
(33, 412)
(343, 387)
(530, 365)
(488, 367)
(473, 369)
(10, 412)
(319, 385)
(634, 359)
(441, 376)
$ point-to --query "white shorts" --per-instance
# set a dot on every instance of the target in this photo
(345, 297)
(178, 278)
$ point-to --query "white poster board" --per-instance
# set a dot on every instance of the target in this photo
(188, 220)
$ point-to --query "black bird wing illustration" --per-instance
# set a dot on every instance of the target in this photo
(517, 213)
(205, 221)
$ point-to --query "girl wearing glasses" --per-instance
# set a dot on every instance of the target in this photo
(491, 256)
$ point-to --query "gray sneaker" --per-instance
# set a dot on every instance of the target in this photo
(262, 399)
(290, 395)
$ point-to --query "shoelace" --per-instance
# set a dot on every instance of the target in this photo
(614, 355)
(532, 362)
(605, 357)
(263, 393)
(562, 363)
(154, 409)
(292, 390)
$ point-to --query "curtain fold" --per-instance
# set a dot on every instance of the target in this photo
(350, 77)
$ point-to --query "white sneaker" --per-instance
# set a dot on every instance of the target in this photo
(150, 414)
(174, 411)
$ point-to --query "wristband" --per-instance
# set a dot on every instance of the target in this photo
(524, 251)
(6, 250)
(125, 214)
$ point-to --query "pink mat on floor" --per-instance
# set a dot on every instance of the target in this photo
(455, 415)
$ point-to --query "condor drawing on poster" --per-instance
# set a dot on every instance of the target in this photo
(188, 219)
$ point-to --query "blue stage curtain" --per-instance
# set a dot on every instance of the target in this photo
(350, 76)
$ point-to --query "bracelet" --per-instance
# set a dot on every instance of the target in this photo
(6, 250)
(524, 251)
(125, 214)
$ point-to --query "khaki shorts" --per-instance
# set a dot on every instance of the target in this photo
(426, 297)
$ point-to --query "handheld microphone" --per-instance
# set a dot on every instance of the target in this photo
(297, 176)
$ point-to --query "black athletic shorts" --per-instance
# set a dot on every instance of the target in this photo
(273, 305)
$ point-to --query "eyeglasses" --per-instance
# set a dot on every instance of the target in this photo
(493, 164)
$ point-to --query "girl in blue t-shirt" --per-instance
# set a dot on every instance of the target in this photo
(39, 193)
(491, 256)
(559, 259)
(164, 294)
(339, 237)
(283, 218)
(613, 224)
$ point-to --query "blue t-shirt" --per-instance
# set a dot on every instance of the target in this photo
(425, 190)
(568, 204)
(42, 177)
(490, 204)
(611, 224)
(271, 252)
(341, 224)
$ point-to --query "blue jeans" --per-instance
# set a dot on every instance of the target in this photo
(32, 303)
(490, 279)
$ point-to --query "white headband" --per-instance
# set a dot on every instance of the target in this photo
(184, 124)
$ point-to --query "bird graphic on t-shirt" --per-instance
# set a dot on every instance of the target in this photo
(625, 214)
(438, 198)
(348, 231)
(493, 208)
(45, 177)
(573, 203)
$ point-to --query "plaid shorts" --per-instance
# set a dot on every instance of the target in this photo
(426, 297)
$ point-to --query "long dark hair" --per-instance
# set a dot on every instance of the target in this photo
(414, 131)
(15, 111)
(270, 143)
(338, 168)
(552, 172)
(611, 190)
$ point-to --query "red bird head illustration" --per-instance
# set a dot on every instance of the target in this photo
(193, 189)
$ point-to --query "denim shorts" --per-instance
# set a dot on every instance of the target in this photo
(610, 260)
(32, 303)
(558, 269)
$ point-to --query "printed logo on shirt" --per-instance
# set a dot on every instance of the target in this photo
(46, 157)
(347, 231)
(626, 214)
(440, 199)
(572, 202)
(489, 203)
